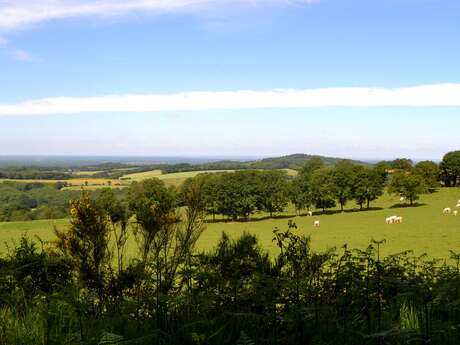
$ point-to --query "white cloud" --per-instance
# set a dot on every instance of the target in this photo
(417, 96)
(22, 55)
(17, 14)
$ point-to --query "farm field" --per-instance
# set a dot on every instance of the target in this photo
(174, 179)
(424, 229)
(89, 183)
(73, 182)
(83, 173)
(141, 176)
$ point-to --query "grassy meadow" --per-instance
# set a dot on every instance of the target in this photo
(425, 228)
(172, 179)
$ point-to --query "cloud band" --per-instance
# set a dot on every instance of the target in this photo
(437, 95)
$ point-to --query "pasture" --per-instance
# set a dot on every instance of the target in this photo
(172, 179)
(141, 176)
(73, 182)
(425, 229)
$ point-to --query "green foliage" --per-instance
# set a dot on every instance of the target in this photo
(86, 241)
(409, 186)
(430, 173)
(450, 168)
(154, 208)
(402, 164)
(368, 185)
(235, 294)
(343, 182)
(118, 215)
(408, 317)
(322, 188)
(30, 201)
(272, 191)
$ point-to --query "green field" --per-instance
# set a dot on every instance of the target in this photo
(172, 179)
(141, 176)
(424, 229)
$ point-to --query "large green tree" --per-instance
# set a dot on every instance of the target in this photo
(368, 185)
(343, 180)
(409, 186)
(238, 194)
(311, 165)
(322, 188)
(402, 164)
(299, 191)
(430, 172)
(450, 168)
(272, 191)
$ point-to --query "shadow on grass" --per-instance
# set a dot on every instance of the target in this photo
(353, 210)
(364, 209)
(415, 204)
(315, 214)
(250, 219)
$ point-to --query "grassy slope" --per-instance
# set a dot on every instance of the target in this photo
(169, 179)
(142, 175)
(425, 228)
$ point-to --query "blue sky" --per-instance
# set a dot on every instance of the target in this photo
(86, 50)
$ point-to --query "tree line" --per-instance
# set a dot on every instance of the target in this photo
(240, 194)
(84, 289)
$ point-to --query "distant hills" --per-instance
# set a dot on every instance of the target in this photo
(294, 161)
(116, 167)
(168, 164)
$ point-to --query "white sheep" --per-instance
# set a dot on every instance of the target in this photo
(316, 224)
(389, 220)
(398, 220)
(455, 212)
(447, 210)
(310, 213)
(458, 205)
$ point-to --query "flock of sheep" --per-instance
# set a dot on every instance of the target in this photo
(394, 220)
(448, 210)
(397, 219)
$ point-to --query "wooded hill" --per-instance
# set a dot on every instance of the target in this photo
(117, 169)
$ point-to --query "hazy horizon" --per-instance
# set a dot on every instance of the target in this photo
(158, 159)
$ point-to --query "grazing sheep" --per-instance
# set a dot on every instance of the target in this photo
(310, 213)
(447, 210)
(316, 223)
(458, 205)
(398, 220)
(455, 212)
(393, 218)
